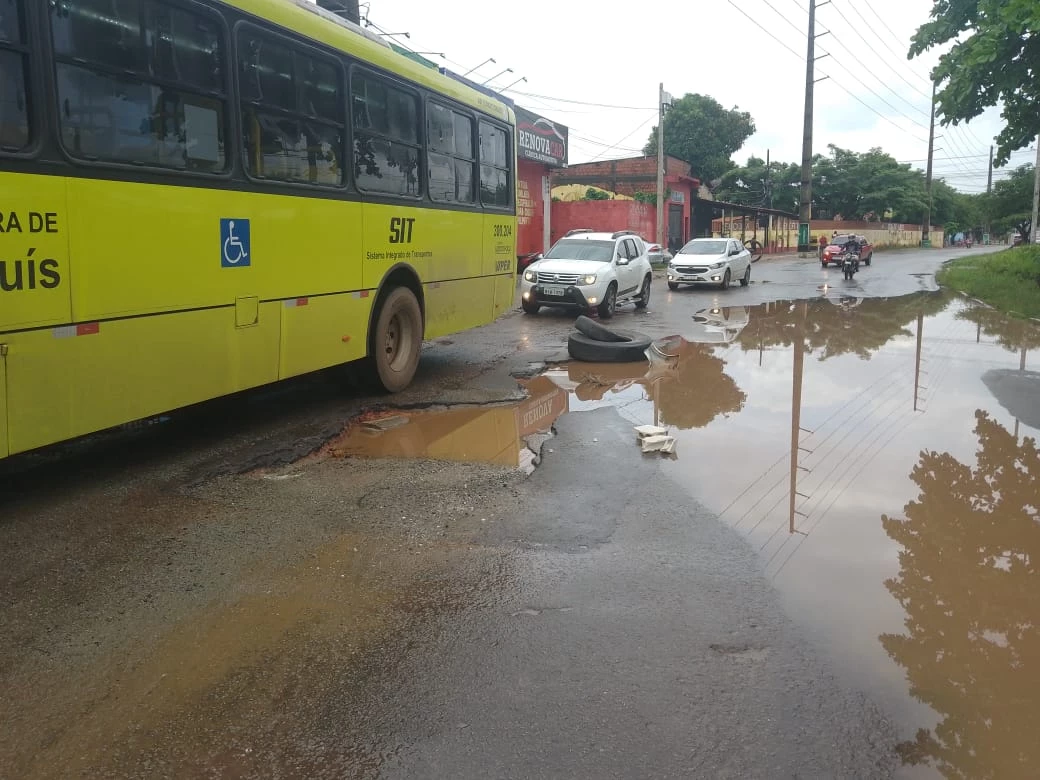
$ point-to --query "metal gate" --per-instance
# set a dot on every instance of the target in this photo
(675, 227)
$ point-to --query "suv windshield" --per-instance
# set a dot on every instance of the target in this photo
(704, 248)
(582, 249)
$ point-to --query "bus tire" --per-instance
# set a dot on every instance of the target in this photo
(396, 341)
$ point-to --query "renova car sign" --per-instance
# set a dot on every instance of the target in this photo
(539, 139)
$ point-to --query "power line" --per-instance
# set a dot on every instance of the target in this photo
(869, 26)
(582, 102)
(841, 86)
(635, 130)
(890, 30)
(872, 73)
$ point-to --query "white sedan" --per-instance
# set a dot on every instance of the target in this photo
(714, 261)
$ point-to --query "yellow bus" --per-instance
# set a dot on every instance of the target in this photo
(199, 197)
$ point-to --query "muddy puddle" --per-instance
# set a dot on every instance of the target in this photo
(881, 456)
(505, 435)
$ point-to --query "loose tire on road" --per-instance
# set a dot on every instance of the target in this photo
(581, 347)
(597, 332)
(395, 341)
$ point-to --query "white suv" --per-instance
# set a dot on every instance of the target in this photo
(587, 270)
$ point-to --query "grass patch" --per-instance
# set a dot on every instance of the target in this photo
(1008, 280)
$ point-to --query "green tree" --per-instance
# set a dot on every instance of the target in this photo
(994, 58)
(700, 131)
(968, 581)
(747, 184)
(871, 184)
(1010, 205)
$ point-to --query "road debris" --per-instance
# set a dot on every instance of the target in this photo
(653, 438)
(385, 423)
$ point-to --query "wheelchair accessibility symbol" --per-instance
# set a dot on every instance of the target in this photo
(234, 243)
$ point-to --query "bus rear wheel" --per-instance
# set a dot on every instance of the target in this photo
(396, 341)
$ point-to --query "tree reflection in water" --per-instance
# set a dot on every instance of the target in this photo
(687, 384)
(970, 585)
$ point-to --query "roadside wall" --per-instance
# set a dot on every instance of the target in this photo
(880, 234)
(605, 215)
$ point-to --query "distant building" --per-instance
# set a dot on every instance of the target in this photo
(632, 175)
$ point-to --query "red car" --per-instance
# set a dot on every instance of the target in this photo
(833, 249)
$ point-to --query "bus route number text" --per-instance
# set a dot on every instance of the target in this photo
(401, 230)
(503, 231)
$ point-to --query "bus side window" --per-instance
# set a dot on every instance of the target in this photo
(495, 167)
(292, 118)
(450, 155)
(141, 82)
(14, 72)
(386, 137)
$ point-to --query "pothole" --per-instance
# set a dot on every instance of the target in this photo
(509, 435)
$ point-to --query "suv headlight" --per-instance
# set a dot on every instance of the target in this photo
(718, 264)
(586, 280)
(530, 276)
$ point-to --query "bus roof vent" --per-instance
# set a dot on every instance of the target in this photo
(342, 21)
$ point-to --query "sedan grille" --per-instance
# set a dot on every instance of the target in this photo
(550, 278)
(692, 269)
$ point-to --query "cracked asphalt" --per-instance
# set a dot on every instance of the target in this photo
(218, 596)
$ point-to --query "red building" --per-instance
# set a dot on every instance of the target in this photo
(541, 146)
(639, 174)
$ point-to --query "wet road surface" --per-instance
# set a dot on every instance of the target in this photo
(278, 592)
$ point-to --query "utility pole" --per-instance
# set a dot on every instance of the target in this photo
(989, 178)
(769, 205)
(926, 228)
(989, 191)
(660, 164)
(805, 206)
(1034, 226)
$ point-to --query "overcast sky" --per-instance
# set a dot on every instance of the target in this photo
(574, 52)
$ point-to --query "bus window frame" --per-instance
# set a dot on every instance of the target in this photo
(307, 47)
(475, 118)
(230, 93)
(29, 49)
(420, 95)
(511, 166)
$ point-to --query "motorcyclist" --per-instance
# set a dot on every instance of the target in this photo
(853, 245)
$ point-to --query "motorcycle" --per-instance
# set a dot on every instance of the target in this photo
(849, 263)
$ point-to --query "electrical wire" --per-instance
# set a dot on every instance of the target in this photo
(841, 86)
(635, 130)
(582, 102)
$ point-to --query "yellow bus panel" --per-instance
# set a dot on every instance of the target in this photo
(34, 253)
(146, 248)
(68, 381)
(458, 305)
(323, 331)
(3, 403)
(439, 244)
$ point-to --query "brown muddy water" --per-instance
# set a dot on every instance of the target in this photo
(881, 455)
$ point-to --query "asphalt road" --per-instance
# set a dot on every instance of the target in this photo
(214, 596)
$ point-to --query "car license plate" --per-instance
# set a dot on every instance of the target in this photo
(556, 291)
